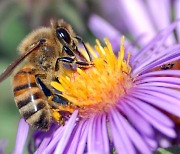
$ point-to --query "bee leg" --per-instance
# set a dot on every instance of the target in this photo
(68, 51)
(82, 64)
(72, 61)
(54, 97)
(42, 86)
(81, 40)
(57, 101)
(58, 117)
(67, 60)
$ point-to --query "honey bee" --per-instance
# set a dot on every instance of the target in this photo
(44, 52)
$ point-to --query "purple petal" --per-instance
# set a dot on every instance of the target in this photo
(56, 137)
(122, 132)
(21, 137)
(145, 128)
(155, 44)
(83, 138)
(162, 103)
(137, 19)
(158, 60)
(67, 132)
(43, 145)
(116, 137)
(164, 12)
(157, 73)
(159, 84)
(102, 29)
(134, 136)
(95, 137)
(171, 80)
(75, 138)
(161, 92)
(3, 145)
(91, 139)
(152, 142)
(45, 138)
(163, 129)
(105, 134)
(177, 16)
(153, 112)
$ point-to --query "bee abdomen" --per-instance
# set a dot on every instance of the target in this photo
(38, 117)
(30, 100)
(35, 111)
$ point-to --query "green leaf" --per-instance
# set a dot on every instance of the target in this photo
(171, 150)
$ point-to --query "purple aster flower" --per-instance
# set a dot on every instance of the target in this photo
(120, 104)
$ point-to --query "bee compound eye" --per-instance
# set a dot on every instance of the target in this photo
(63, 34)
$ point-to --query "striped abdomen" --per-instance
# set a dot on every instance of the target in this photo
(31, 101)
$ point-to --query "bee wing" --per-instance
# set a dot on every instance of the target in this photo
(15, 63)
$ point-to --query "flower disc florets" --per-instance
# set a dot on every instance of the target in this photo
(99, 87)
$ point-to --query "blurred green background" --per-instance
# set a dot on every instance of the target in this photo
(18, 18)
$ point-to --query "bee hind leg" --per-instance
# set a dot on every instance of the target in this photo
(42, 86)
(55, 101)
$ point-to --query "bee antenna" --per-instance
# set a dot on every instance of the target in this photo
(15, 63)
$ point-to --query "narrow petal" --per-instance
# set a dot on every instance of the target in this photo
(167, 56)
(45, 138)
(68, 130)
(155, 44)
(3, 145)
(145, 128)
(72, 147)
(56, 137)
(134, 136)
(163, 129)
(164, 13)
(177, 16)
(122, 131)
(171, 80)
(102, 29)
(160, 84)
(91, 138)
(153, 112)
(157, 73)
(21, 137)
(166, 93)
(105, 134)
(133, 12)
(116, 137)
(95, 137)
(162, 103)
(83, 139)
(151, 142)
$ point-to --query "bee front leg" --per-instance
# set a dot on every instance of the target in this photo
(71, 59)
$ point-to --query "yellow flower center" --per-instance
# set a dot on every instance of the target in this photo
(95, 89)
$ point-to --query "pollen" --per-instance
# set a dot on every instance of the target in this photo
(97, 88)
